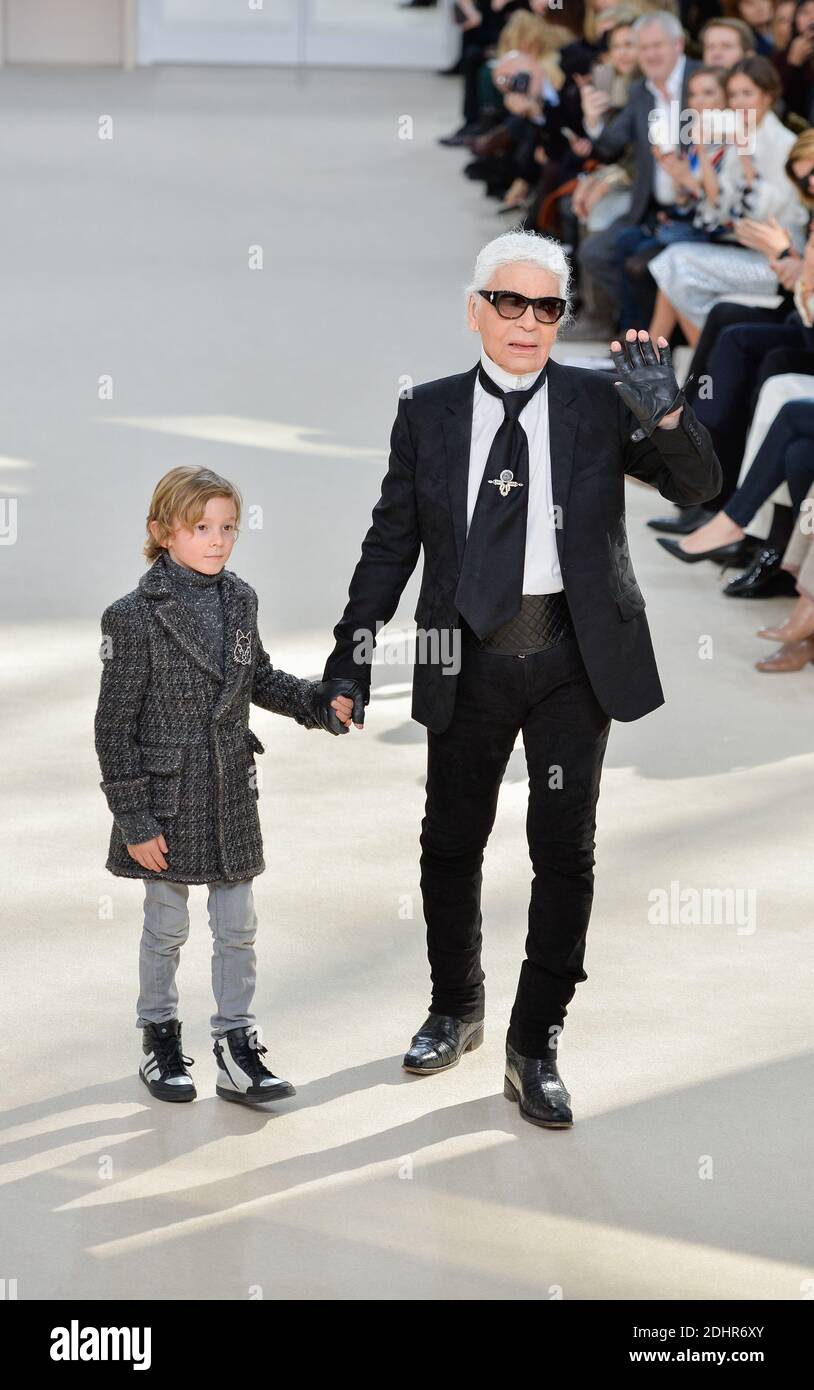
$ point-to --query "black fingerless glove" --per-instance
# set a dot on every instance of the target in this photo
(323, 712)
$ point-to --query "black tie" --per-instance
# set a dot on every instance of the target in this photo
(490, 589)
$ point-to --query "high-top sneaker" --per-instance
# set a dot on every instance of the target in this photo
(241, 1073)
(163, 1066)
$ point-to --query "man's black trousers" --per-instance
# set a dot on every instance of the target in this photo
(547, 696)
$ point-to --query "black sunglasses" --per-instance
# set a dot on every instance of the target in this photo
(511, 305)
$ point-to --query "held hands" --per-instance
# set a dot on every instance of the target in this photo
(150, 854)
(647, 382)
(337, 701)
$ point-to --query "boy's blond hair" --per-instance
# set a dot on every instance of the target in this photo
(181, 496)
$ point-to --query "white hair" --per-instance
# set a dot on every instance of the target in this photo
(530, 247)
(669, 23)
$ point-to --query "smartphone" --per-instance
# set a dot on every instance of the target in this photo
(520, 83)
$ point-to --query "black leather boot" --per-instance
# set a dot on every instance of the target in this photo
(539, 1089)
(441, 1042)
(764, 578)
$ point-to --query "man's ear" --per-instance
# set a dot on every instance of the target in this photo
(471, 315)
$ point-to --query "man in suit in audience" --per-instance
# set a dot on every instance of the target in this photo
(660, 93)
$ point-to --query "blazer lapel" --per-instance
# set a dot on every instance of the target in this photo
(457, 427)
(456, 424)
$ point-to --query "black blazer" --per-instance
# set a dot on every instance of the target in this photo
(423, 503)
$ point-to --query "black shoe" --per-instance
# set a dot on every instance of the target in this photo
(241, 1074)
(460, 137)
(163, 1066)
(441, 1042)
(687, 519)
(539, 1089)
(764, 578)
(737, 552)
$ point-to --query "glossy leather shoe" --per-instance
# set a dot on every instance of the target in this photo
(687, 519)
(764, 578)
(538, 1088)
(440, 1043)
(734, 553)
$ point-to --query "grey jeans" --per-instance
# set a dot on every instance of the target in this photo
(233, 923)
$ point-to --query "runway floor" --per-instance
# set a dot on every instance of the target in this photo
(687, 1051)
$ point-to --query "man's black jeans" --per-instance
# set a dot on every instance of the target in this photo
(548, 697)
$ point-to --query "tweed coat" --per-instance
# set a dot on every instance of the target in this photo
(172, 733)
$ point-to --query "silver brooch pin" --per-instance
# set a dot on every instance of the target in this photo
(505, 481)
(243, 647)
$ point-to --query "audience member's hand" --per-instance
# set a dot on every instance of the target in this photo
(520, 105)
(150, 854)
(595, 193)
(578, 199)
(768, 237)
(788, 270)
(678, 168)
(800, 50)
(595, 102)
(808, 262)
(580, 144)
(473, 16)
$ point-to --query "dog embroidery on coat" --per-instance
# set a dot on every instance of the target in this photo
(243, 646)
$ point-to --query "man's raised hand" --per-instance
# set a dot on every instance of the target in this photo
(647, 381)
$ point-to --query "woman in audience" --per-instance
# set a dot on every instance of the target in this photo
(534, 94)
(795, 63)
(750, 187)
(751, 346)
(785, 456)
(537, 103)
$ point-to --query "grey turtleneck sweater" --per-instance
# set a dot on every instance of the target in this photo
(202, 594)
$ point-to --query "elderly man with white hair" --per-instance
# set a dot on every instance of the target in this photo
(510, 475)
(655, 102)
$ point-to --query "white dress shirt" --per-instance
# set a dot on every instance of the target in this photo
(664, 189)
(541, 573)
